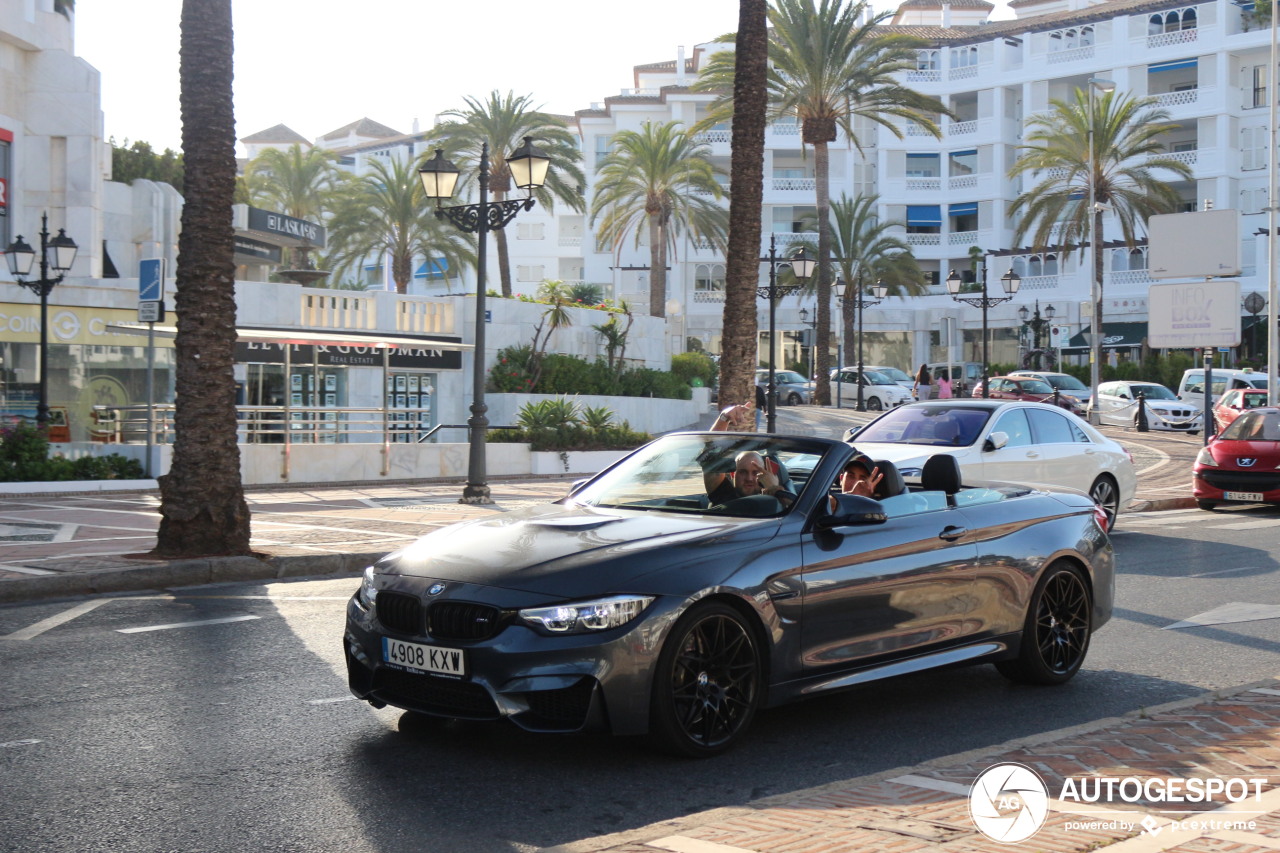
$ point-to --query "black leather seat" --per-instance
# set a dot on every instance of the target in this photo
(941, 473)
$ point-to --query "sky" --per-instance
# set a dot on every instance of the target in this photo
(318, 65)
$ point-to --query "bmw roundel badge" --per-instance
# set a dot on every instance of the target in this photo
(435, 589)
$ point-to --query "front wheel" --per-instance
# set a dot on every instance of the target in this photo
(1055, 636)
(1106, 494)
(707, 683)
(874, 405)
(793, 399)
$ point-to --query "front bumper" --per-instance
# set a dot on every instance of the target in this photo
(1212, 484)
(597, 682)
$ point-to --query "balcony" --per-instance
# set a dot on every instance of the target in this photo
(1039, 282)
(962, 128)
(1072, 55)
(924, 184)
(931, 75)
(792, 185)
(924, 239)
(1177, 99)
(964, 72)
(706, 297)
(1177, 37)
(571, 240)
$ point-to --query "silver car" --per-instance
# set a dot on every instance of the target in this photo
(1118, 405)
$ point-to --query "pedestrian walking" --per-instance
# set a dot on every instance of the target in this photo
(924, 383)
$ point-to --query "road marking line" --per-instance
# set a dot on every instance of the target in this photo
(1236, 611)
(1247, 525)
(222, 621)
(933, 784)
(54, 621)
(31, 741)
(330, 701)
(1227, 571)
(25, 570)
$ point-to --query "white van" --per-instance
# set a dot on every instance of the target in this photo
(1224, 379)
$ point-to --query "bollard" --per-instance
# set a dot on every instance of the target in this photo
(1140, 422)
(1056, 400)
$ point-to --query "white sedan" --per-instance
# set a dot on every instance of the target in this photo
(878, 391)
(1118, 405)
(1003, 441)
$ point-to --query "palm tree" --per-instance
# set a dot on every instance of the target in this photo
(828, 67)
(740, 342)
(202, 506)
(383, 214)
(868, 253)
(504, 122)
(659, 178)
(297, 182)
(1126, 135)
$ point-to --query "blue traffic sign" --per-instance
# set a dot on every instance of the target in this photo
(151, 280)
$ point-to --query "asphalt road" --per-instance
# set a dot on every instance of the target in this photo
(125, 727)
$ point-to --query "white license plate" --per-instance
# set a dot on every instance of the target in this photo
(424, 658)
(1242, 496)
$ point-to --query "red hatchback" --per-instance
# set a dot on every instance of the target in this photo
(1025, 388)
(1235, 401)
(1242, 464)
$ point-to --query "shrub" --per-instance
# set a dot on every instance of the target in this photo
(568, 374)
(694, 368)
(562, 425)
(24, 458)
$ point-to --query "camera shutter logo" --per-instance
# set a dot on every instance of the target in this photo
(1008, 803)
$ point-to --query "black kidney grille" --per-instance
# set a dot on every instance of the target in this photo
(400, 612)
(460, 620)
(433, 694)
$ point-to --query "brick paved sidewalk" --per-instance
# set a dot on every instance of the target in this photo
(1231, 735)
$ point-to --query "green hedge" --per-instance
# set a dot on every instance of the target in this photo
(568, 374)
(24, 458)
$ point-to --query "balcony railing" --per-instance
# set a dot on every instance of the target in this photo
(961, 128)
(708, 296)
(1188, 157)
(1071, 55)
(964, 72)
(1039, 282)
(795, 184)
(571, 240)
(1177, 99)
(963, 182)
(924, 239)
(930, 75)
(1175, 37)
(924, 184)
(962, 238)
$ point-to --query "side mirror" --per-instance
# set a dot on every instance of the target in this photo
(1123, 396)
(852, 510)
(851, 432)
(995, 441)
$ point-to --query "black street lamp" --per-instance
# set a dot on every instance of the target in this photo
(813, 338)
(58, 254)
(1010, 280)
(801, 268)
(1037, 324)
(528, 166)
(861, 304)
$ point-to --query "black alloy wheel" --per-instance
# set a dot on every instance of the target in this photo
(793, 399)
(873, 404)
(1055, 638)
(1106, 494)
(707, 684)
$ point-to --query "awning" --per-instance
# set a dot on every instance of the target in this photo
(1115, 336)
(968, 208)
(924, 214)
(433, 268)
(309, 337)
(968, 152)
(1173, 65)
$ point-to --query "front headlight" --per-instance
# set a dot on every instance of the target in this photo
(600, 614)
(1204, 457)
(368, 592)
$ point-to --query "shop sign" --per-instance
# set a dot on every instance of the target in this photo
(69, 325)
(422, 358)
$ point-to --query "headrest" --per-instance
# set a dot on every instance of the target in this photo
(941, 473)
(891, 482)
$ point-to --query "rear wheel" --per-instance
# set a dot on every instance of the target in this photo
(707, 683)
(1055, 636)
(1106, 494)
(874, 405)
(793, 399)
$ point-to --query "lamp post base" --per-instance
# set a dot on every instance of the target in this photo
(475, 495)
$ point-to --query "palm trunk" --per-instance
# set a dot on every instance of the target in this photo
(401, 271)
(822, 175)
(657, 267)
(504, 261)
(740, 344)
(202, 506)
(1097, 276)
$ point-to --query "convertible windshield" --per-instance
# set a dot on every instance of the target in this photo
(1155, 392)
(749, 476)
(945, 425)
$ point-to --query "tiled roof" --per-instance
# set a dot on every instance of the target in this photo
(363, 127)
(279, 133)
(954, 4)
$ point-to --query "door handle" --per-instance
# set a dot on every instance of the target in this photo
(951, 532)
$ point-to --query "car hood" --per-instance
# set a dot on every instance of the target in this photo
(908, 456)
(564, 548)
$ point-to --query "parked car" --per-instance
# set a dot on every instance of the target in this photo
(878, 391)
(903, 378)
(1234, 402)
(634, 605)
(1191, 388)
(998, 442)
(1064, 383)
(1027, 388)
(963, 375)
(793, 389)
(1118, 405)
(1242, 464)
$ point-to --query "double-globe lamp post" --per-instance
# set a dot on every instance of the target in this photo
(528, 165)
(879, 291)
(1011, 281)
(1036, 322)
(57, 254)
(801, 268)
